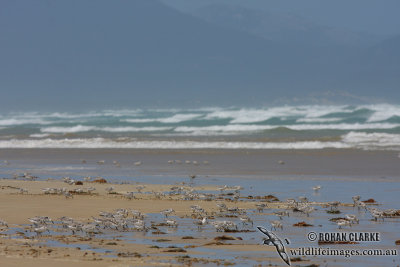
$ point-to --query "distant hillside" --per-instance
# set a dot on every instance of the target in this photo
(81, 53)
(283, 28)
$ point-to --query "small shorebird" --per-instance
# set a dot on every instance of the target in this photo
(334, 205)
(101, 162)
(316, 188)
(197, 210)
(201, 222)
(137, 163)
(356, 199)
(303, 199)
(342, 223)
(137, 214)
(222, 188)
(3, 223)
(23, 190)
(246, 220)
(139, 188)
(291, 203)
(390, 212)
(68, 195)
(158, 195)
(352, 218)
(90, 229)
(261, 206)
(130, 195)
(40, 220)
(377, 214)
(360, 204)
(276, 224)
(139, 225)
(90, 190)
(307, 210)
(224, 225)
(167, 212)
(281, 214)
(237, 188)
(116, 163)
(222, 207)
(40, 230)
(171, 223)
(110, 189)
(74, 227)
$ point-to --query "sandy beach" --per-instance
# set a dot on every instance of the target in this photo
(265, 177)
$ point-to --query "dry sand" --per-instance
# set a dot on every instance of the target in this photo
(16, 208)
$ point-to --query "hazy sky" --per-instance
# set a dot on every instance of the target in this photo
(85, 53)
(373, 16)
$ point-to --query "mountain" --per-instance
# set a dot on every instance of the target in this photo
(375, 69)
(282, 27)
(93, 54)
(129, 52)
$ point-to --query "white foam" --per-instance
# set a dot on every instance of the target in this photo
(180, 118)
(343, 126)
(133, 129)
(259, 115)
(383, 112)
(311, 120)
(372, 140)
(231, 128)
(72, 129)
(14, 121)
(358, 140)
(177, 118)
(139, 120)
(249, 128)
(107, 143)
(82, 128)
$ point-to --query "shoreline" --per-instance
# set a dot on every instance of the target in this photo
(326, 162)
(341, 174)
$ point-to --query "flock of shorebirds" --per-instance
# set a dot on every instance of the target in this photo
(134, 220)
(222, 218)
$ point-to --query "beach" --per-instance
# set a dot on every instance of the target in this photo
(199, 133)
(260, 176)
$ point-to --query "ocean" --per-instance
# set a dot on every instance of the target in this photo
(366, 127)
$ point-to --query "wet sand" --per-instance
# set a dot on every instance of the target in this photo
(27, 249)
(327, 162)
(20, 246)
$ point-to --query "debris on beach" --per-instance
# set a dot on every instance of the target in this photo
(100, 181)
(268, 198)
(337, 219)
(302, 224)
(175, 249)
(333, 211)
(224, 237)
(370, 200)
